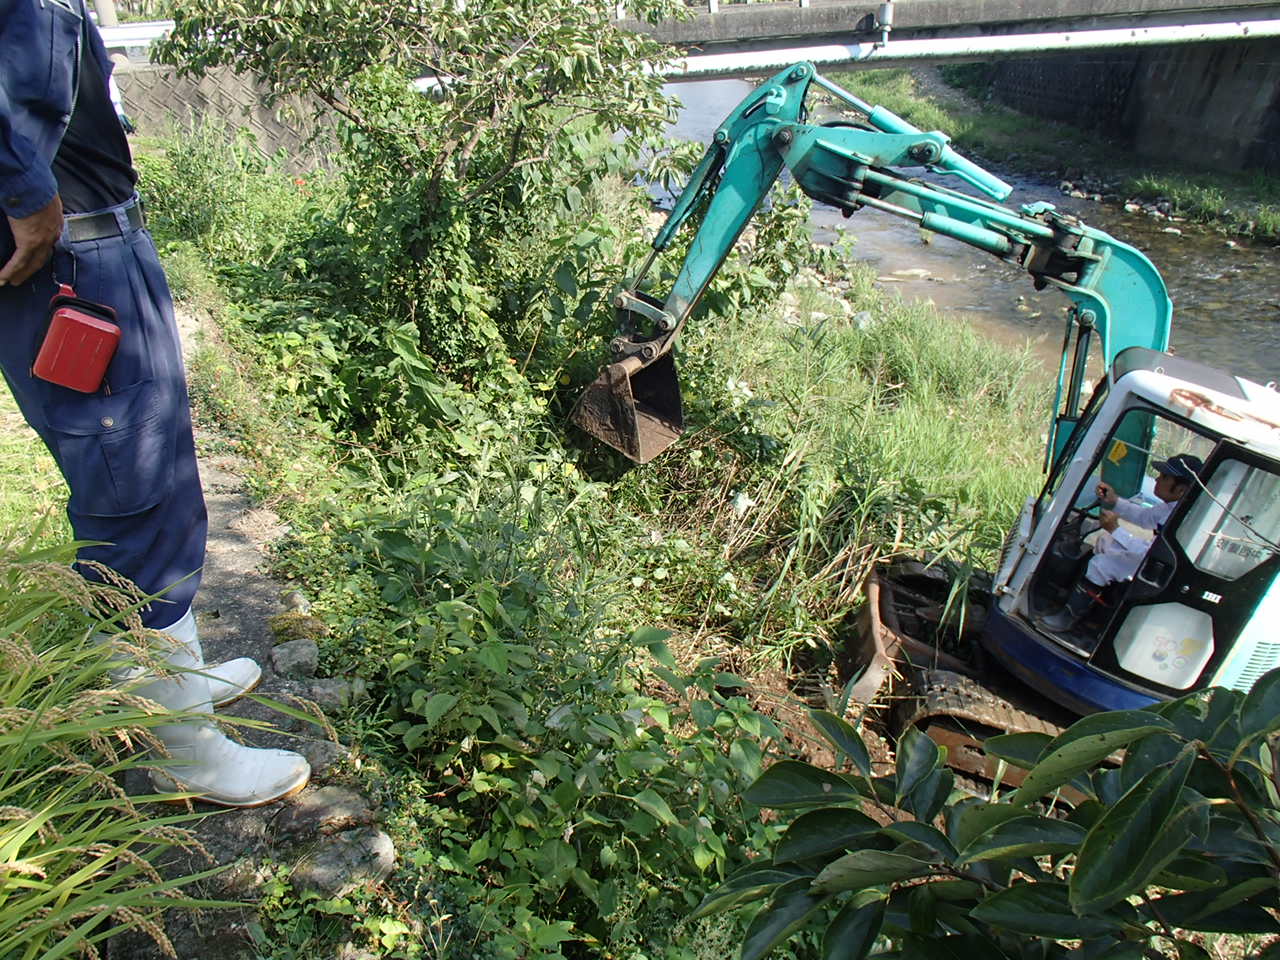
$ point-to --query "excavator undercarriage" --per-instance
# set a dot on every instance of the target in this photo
(917, 644)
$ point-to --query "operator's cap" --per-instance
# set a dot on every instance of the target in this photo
(1181, 467)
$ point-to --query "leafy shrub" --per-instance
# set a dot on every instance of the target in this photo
(216, 189)
(1179, 836)
(589, 800)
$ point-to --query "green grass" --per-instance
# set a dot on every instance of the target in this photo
(32, 494)
(1245, 203)
(890, 429)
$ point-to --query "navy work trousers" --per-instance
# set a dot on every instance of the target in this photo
(127, 451)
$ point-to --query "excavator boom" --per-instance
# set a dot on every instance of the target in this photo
(634, 405)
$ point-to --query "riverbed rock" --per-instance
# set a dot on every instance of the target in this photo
(297, 658)
(1173, 230)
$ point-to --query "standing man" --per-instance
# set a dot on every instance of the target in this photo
(70, 215)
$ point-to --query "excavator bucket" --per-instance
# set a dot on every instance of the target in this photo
(635, 411)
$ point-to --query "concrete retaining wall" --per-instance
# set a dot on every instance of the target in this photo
(1209, 105)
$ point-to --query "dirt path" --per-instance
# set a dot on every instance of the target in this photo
(325, 837)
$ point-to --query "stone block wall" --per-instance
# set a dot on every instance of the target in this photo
(157, 99)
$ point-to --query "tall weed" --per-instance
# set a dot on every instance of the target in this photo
(214, 188)
(80, 855)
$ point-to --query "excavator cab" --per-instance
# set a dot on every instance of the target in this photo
(1195, 606)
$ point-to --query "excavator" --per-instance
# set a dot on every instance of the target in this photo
(1199, 610)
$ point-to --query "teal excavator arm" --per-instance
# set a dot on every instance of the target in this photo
(1116, 293)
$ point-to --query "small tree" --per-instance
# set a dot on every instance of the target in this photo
(1181, 835)
(469, 132)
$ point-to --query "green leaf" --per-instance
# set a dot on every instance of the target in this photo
(437, 706)
(853, 932)
(746, 757)
(868, 868)
(922, 835)
(978, 818)
(750, 883)
(654, 640)
(918, 756)
(1191, 910)
(1241, 918)
(1083, 744)
(1041, 910)
(821, 832)
(671, 678)
(928, 799)
(1026, 836)
(786, 913)
(844, 738)
(1191, 872)
(550, 934)
(1134, 839)
(1260, 712)
(790, 783)
(655, 806)
(1020, 749)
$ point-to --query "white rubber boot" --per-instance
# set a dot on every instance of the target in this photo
(202, 759)
(228, 681)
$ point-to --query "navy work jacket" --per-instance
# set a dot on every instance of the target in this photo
(40, 47)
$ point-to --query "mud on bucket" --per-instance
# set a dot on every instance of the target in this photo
(634, 409)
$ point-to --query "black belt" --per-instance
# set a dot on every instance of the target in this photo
(99, 226)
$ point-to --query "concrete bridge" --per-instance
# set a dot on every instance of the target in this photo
(730, 39)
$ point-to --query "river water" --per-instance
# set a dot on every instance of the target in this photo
(1226, 299)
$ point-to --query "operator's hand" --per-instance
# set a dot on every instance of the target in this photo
(1106, 494)
(33, 239)
(1109, 520)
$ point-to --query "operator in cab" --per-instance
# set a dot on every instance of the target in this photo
(1117, 553)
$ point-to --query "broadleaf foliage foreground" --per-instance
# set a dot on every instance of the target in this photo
(1179, 836)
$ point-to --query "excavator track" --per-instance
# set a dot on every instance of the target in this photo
(959, 713)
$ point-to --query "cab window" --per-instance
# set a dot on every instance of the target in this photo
(1234, 524)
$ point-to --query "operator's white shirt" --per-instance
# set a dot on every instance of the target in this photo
(1118, 553)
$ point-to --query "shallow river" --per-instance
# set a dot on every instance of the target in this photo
(1226, 299)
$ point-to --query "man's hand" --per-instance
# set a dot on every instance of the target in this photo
(1108, 520)
(33, 238)
(1106, 494)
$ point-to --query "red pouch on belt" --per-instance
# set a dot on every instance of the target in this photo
(79, 344)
